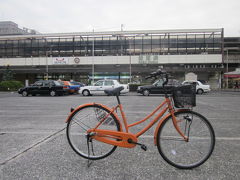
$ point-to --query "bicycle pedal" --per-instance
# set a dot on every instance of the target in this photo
(143, 147)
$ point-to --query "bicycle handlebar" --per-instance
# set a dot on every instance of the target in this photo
(160, 73)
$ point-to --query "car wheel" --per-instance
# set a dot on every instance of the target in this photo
(24, 93)
(85, 93)
(146, 92)
(200, 91)
(52, 93)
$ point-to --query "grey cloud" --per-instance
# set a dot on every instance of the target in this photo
(84, 15)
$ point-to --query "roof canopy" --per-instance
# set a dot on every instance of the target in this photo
(233, 74)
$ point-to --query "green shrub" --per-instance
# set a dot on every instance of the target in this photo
(10, 85)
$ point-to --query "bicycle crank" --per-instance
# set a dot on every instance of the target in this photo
(143, 147)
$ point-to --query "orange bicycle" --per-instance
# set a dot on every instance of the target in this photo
(184, 138)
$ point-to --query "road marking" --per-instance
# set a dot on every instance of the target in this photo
(143, 136)
(30, 115)
(217, 138)
(52, 135)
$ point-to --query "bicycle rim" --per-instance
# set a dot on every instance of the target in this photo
(182, 154)
(87, 118)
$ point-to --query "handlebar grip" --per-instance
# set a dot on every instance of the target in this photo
(148, 77)
(159, 72)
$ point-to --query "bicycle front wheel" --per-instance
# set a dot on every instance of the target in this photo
(87, 118)
(186, 154)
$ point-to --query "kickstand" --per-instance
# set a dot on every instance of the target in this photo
(89, 162)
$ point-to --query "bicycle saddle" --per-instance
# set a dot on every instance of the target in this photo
(114, 91)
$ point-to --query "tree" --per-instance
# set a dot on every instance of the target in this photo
(7, 74)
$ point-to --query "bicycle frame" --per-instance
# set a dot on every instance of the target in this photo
(107, 135)
(169, 107)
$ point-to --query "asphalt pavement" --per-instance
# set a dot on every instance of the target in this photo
(33, 142)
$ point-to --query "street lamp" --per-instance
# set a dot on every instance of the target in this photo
(227, 68)
(130, 58)
(130, 67)
(47, 69)
(46, 59)
(93, 58)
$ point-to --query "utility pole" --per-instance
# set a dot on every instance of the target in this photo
(121, 39)
(227, 68)
(93, 58)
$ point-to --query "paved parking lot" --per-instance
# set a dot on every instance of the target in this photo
(33, 143)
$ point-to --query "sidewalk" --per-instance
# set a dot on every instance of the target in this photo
(227, 90)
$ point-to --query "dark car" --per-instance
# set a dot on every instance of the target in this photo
(47, 87)
(157, 87)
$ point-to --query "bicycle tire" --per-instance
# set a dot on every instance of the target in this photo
(86, 118)
(182, 154)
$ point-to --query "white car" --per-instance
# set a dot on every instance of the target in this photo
(200, 87)
(100, 86)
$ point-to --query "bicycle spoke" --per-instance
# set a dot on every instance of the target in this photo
(81, 121)
(75, 122)
(186, 154)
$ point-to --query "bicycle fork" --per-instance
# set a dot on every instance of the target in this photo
(187, 123)
(186, 131)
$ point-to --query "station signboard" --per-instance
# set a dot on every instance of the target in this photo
(60, 60)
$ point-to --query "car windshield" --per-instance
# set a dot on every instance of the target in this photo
(99, 83)
(158, 83)
(57, 83)
(171, 82)
(38, 83)
(75, 83)
(203, 82)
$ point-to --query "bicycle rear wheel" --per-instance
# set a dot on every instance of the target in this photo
(179, 153)
(87, 118)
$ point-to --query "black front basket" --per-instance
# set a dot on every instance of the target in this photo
(184, 96)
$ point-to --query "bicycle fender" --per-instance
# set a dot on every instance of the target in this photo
(91, 104)
(161, 121)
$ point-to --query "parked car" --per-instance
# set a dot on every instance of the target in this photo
(69, 87)
(49, 87)
(77, 83)
(101, 85)
(157, 87)
(201, 87)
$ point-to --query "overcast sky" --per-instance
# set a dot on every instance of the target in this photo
(55, 16)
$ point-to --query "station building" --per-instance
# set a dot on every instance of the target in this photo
(124, 55)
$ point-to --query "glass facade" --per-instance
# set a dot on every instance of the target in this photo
(162, 43)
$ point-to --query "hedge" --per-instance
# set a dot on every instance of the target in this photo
(10, 85)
